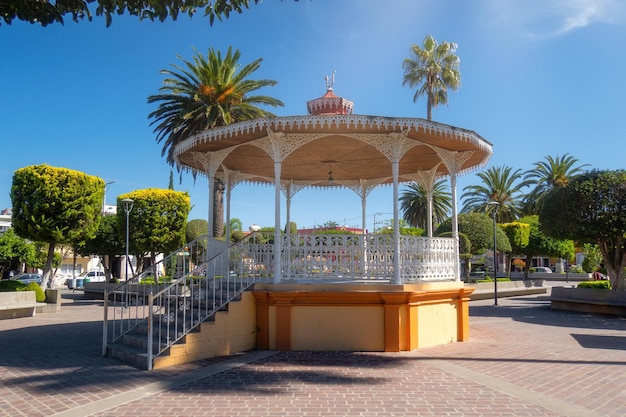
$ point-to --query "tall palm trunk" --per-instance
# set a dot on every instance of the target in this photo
(218, 208)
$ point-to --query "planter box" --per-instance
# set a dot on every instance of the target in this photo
(53, 302)
(589, 300)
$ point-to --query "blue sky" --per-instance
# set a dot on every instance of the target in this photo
(538, 78)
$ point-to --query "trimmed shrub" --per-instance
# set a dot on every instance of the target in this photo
(601, 285)
(40, 293)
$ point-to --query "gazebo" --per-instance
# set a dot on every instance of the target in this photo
(332, 147)
(351, 292)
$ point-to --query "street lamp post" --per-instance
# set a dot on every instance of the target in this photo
(494, 210)
(128, 207)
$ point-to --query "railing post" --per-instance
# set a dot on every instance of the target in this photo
(150, 322)
(105, 325)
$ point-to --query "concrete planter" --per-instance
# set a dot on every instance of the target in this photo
(53, 302)
(18, 304)
(589, 300)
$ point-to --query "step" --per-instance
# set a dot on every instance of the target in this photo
(129, 355)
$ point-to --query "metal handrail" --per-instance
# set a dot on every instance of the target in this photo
(169, 313)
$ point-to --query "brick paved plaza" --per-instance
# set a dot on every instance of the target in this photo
(523, 360)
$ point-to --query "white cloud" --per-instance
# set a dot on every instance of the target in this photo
(542, 19)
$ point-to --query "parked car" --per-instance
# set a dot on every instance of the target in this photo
(93, 276)
(27, 278)
(544, 269)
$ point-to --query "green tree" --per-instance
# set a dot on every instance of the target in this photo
(541, 244)
(156, 222)
(591, 209)
(546, 175)
(593, 257)
(478, 227)
(204, 93)
(519, 236)
(499, 184)
(196, 228)
(432, 69)
(170, 185)
(45, 12)
(107, 244)
(414, 204)
(14, 251)
(55, 206)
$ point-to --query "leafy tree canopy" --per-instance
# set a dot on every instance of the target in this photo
(157, 220)
(478, 227)
(55, 205)
(540, 243)
(591, 208)
(518, 234)
(196, 228)
(15, 250)
(45, 12)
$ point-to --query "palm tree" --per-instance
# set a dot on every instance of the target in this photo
(204, 93)
(414, 204)
(433, 69)
(546, 175)
(501, 185)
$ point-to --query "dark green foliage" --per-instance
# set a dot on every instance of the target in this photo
(108, 241)
(601, 285)
(541, 244)
(9, 285)
(46, 12)
(591, 208)
(478, 228)
(196, 228)
(15, 250)
(414, 204)
(501, 185)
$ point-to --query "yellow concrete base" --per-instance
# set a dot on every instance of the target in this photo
(334, 317)
(361, 317)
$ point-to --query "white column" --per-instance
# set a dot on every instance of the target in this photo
(211, 203)
(397, 278)
(288, 232)
(429, 200)
(228, 189)
(455, 227)
(277, 243)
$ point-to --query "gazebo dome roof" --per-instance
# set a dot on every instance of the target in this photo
(332, 142)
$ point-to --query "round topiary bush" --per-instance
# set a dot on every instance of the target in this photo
(40, 293)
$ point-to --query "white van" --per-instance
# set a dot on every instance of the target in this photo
(93, 276)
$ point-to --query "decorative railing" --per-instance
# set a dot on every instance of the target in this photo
(187, 287)
(171, 298)
(366, 257)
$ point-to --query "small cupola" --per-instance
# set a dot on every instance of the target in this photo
(329, 103)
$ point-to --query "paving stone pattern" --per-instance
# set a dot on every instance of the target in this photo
(524, 359)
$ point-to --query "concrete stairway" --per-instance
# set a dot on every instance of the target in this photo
(230, 330)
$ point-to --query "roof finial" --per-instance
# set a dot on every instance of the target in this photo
(329, 85)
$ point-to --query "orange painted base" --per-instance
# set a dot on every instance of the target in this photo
(360, 317)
